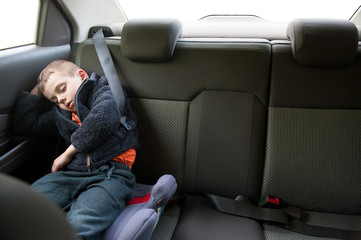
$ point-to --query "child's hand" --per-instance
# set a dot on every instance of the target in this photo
(64, 158)
(60, 162)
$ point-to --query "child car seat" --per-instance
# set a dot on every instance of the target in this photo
(139, 218)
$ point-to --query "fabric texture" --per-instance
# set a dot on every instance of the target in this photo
(163, 151)
(338, 221)
(200, 220)
(308, 146)
(167, 222)
(127, 157)
(276, 233)
(101, 135)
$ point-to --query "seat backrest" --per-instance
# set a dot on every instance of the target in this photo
(201, 107)
(21, 215)
(313, 140)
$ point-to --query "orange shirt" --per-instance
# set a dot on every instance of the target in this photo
(127, 157)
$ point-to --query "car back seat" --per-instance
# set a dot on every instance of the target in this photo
(313, 140)
(202, 113)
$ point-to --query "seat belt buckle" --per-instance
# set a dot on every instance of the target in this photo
(127, 126)
(270, 202)
(123, 120)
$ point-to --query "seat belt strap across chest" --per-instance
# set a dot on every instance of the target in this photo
(110, 73)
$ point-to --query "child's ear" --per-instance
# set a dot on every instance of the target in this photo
(82, 74)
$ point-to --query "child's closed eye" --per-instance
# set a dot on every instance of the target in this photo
(62, 88)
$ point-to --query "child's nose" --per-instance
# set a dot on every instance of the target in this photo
(61, 99)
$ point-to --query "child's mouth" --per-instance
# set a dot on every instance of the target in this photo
(70, 104)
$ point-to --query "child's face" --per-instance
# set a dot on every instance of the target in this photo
(61, 89)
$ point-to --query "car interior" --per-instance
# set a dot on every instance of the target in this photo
(258, 122)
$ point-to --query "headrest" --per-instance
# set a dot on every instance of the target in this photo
(150, 40)
(323, 42)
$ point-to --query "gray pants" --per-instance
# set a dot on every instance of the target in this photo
(91, 200)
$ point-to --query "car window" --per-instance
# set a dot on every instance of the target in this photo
(18, 22)
(277, 10)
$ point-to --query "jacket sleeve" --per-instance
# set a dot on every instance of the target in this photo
(102, 121)
(32, 116)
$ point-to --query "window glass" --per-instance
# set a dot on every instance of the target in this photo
(18, 22)
(277, 10)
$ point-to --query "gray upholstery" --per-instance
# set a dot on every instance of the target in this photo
(162, 93)
(241, 66)
(225, 141)
(323, 42)
(295, 85)
(341, 221)
(276, 233)
(313, 159)
(27, 214)
(200, 220)
(150, 40)
(313, 141)
(167, 223)
(201, 114)
(203, 118)
(163, 128)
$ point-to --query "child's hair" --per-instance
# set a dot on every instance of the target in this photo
(64, 67)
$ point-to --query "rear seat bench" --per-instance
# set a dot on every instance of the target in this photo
(202, 107)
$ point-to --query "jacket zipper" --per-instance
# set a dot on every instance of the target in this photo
(88, 160)
(65, 118)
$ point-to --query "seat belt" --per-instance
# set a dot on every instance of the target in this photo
(287, 218)
(110, 73)
(243, 207)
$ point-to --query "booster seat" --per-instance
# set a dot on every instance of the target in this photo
(139, 218)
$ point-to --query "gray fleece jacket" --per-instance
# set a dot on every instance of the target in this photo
(101, 134)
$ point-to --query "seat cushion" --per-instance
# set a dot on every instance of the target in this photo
(199, 220)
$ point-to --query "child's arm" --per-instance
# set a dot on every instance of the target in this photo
(102, 121)
(32, 115)
(64, 158)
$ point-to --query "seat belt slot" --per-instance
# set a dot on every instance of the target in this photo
(270, 202)
(245, 208)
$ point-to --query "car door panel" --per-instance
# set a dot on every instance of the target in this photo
(19, 69)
